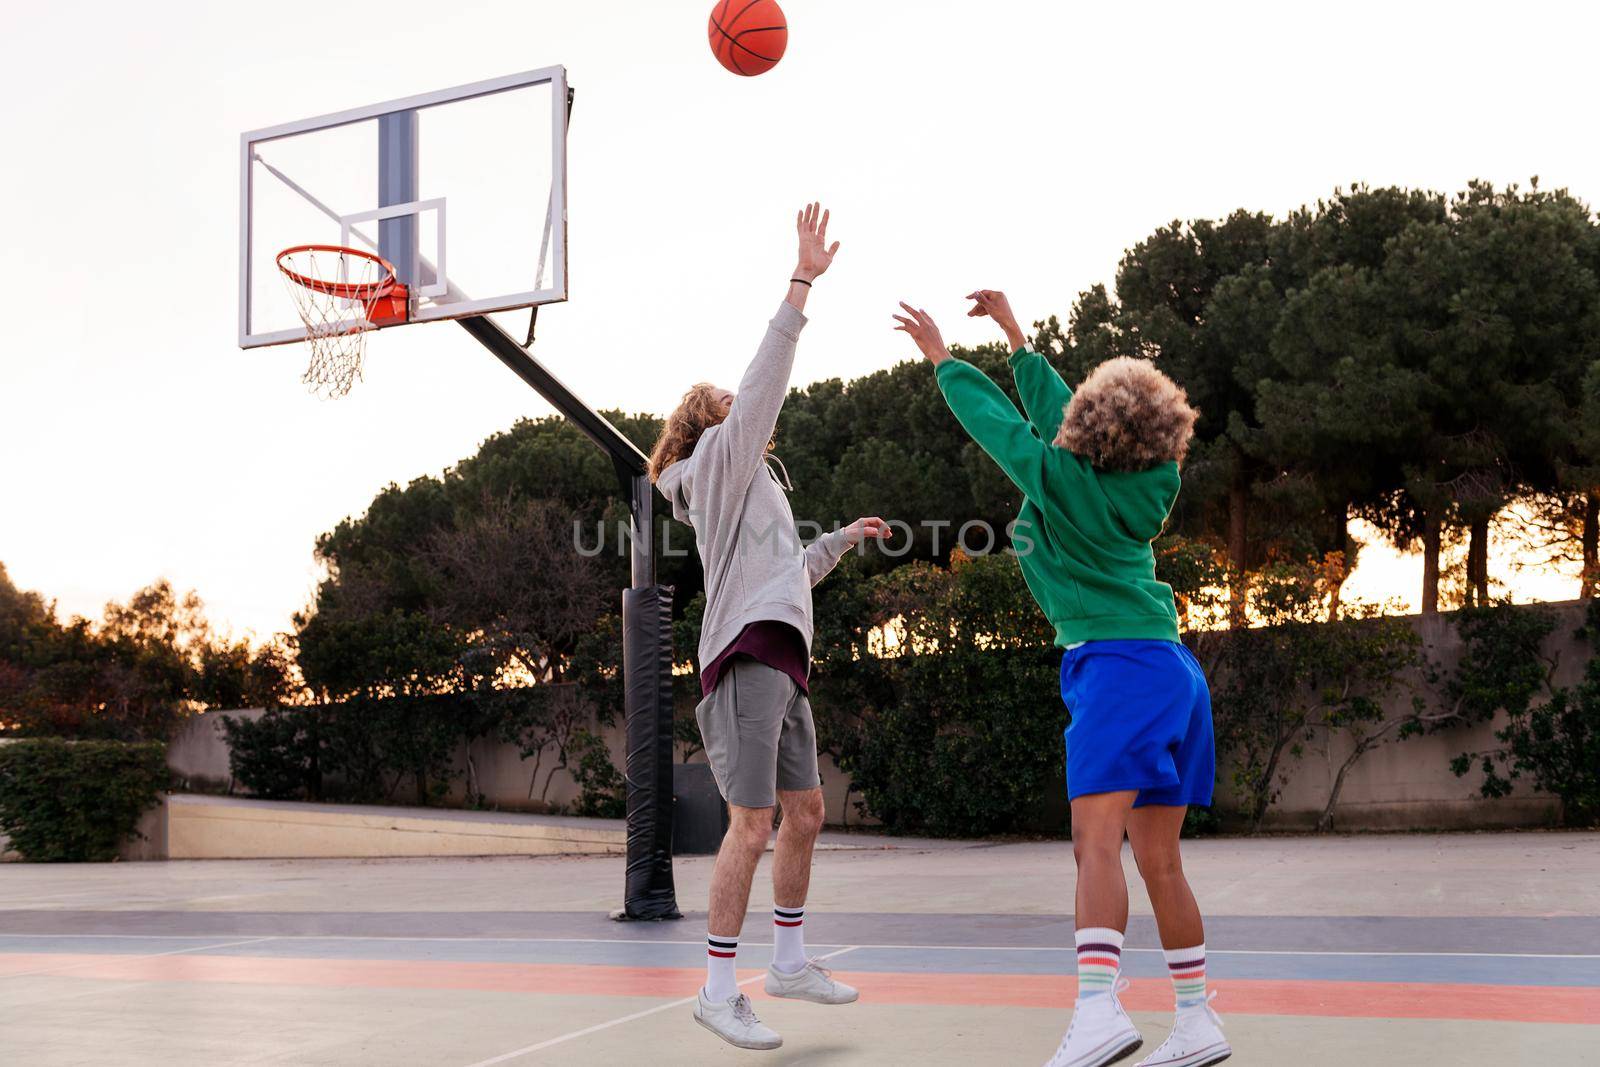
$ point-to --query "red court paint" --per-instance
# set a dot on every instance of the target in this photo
(1240, 996)
(574, 979)
(1254, 996)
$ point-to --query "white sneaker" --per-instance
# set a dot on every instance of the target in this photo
(1101, 1032)
(734, 1020)
(1196, 1040)
(814, 982)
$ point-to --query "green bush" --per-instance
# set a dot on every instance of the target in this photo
(275, 755)
(957, 732)
(601, 789)
(952, 727)
(1556, 741)
(1303, 678)
(365, 749)
(1201, 822)
(360, 750)
(1558, 746)
(960, 734)
(963, 743)
(77, 800)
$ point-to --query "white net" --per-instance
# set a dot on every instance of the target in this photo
(334, 290)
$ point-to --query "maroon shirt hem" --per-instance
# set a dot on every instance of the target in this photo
(776, 644)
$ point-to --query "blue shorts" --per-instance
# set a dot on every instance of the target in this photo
(1141, 719)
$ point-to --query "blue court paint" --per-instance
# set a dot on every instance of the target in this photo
(1569, 970)
(1555, 934)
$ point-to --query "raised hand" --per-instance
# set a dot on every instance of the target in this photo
(993, 303)
(816, 255)
(924, 332)
(869, 526)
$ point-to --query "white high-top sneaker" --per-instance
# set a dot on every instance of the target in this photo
(1196, 1040)
(1100, 1033)
(734, 1020)
(814, 982)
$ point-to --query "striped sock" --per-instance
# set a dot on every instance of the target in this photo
(789, 939)
(1188, 969)
(722, 980)
(1099, 959)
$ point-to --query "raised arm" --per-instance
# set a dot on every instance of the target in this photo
(985, 412)
(753, 417)
(990, 418)
(1044, 395)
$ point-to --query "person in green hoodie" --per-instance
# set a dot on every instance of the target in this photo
(1098, 470)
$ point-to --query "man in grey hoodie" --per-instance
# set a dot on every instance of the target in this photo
(713, 463)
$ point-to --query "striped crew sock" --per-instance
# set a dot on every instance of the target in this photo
(722, 980)
(789, 939)
(1099, 959)
(1188, 969)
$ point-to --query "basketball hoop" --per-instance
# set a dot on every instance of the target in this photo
(341, 293)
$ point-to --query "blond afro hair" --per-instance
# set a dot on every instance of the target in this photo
(1128, 416)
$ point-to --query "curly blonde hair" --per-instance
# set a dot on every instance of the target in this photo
(1128, 416)
(697, 412)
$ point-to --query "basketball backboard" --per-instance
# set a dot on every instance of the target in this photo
(463, 190)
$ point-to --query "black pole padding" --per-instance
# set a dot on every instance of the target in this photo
(646, 641)
(648, 892)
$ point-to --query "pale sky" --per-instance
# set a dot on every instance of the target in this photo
(1012, 145)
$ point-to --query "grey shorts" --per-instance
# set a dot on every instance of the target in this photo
(758, 734)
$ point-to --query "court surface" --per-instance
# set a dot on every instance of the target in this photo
(1364, 951)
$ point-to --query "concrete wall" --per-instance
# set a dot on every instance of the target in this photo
(198, 753)
(509, 781)
(208, 827)
(1397, 786)
(150, 842)
(1406, 785)
(1409, 785)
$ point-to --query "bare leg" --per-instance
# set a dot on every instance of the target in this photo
(742, 846)
(1153, 831)
(797, 837)
(1098, 821)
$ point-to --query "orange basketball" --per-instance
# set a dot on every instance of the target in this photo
(748, 36)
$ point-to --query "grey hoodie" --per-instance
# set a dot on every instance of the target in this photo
(754, 564)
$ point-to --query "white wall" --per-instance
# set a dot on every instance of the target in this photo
(1405, 785)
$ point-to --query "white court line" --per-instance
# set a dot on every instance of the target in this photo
(1254, 951)
(586, 1031)
(768, 944)
(139, 956)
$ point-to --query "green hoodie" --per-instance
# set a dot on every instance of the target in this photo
(1083, 535)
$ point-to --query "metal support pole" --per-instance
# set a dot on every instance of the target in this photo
(398, 177)
(624, 455)
(649, 892)
(641, 530)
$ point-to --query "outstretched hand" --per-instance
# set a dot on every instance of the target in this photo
(863, 528)
(816, 255)
(993, 303)
(924, 332)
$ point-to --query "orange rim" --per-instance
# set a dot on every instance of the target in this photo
(363, 291)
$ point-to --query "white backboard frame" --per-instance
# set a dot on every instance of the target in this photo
(437, 268)
(455, 304)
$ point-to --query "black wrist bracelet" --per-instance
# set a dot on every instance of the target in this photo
(802, 281)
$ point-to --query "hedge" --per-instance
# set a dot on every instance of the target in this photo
(954, 744)
(367, 750)
(71, 801)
